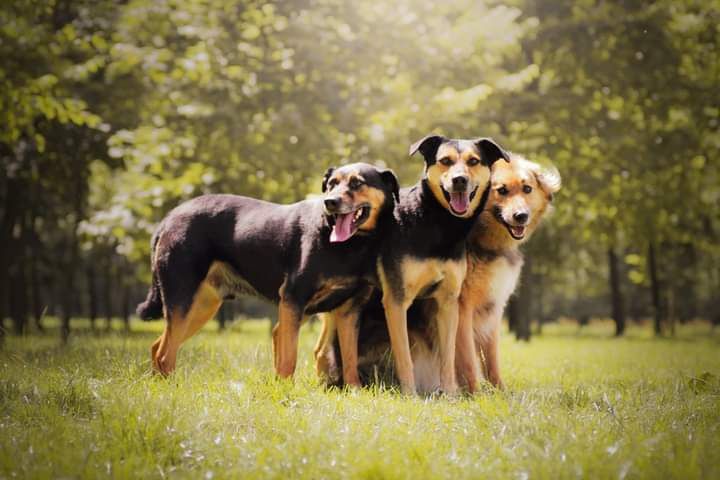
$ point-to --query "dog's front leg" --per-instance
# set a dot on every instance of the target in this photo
(466, 353)
(447, 326)
(346, 322)
(448, 296)
(285, 337)
(487, 335)
(396, 316)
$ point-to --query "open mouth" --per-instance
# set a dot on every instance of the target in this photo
(347, 224)
(459, 201)
(516, 231)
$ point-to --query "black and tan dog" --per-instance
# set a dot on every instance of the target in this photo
(313, 256)
(520, 196)
(423, 255)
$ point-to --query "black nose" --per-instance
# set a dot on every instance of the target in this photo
(460, 182)
(332, 204)
(520, 217)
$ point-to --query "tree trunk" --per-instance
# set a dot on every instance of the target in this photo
(524, 298)
(18, 279)
(686, 305)
(107, 291)
(617, 300)
(36, 287)
(655, 288)
(92, 292)
(10, 213)
(126, 306)
(122, 280)
(68, 277)
(513, 313)
(222, 316)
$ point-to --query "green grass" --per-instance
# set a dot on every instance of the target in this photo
(577, 405)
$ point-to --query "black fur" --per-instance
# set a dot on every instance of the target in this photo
(423, 229)
(265, 245)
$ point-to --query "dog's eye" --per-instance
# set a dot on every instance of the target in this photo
(503, 190)
(332, 184)
(473, 161)
(354, 183)
(447, 161)
(527, 188)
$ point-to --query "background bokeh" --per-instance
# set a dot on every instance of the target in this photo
(113, 112)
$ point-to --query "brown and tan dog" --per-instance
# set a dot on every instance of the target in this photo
(520, 195)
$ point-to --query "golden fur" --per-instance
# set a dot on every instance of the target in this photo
(494, 263)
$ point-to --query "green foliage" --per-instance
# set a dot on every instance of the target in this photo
(576, 405)
(113, 113)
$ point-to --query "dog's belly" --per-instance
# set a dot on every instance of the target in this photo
(228, 282)
(333, 293)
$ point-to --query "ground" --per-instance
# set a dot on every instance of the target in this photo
(578, 404)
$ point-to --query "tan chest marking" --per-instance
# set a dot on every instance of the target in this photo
(327, 287)
(420, 274)
(488, 286)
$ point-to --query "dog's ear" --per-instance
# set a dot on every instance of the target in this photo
(390, 179)
(326, 177)
(490, 151)
(428, 146)
(548, 179)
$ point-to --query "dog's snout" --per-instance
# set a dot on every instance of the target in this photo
(521, 217)
(460, 182)
(332, 204)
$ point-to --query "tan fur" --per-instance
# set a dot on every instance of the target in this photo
(325, 361)
(439, 175)
(491, 280)
(365, 194)
(417, 275)
(376, 198)
(494, 263)
(178, 328)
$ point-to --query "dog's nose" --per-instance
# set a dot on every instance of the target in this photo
(332, 204)
(460, 182)
(520, 217)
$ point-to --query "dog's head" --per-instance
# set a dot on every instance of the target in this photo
(458, 171)
(520, 194)
(355, 197)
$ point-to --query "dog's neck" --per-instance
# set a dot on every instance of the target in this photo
(489, 234)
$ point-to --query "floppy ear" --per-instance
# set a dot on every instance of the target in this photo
(326, 177)
(490, 151)
(390, 179)
(548, 179)
(428, 146)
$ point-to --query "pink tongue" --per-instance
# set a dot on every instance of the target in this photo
(459, 201)
(343, 228)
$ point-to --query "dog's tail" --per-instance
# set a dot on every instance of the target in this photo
(152, 307)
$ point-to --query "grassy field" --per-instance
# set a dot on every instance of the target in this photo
(578, 404)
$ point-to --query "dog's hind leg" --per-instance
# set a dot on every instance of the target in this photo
(285, 337)
(180, 327)
(324, 355)
(205, 305)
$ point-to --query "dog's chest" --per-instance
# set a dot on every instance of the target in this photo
(331, 292)
(492, 280)
(430, 277)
